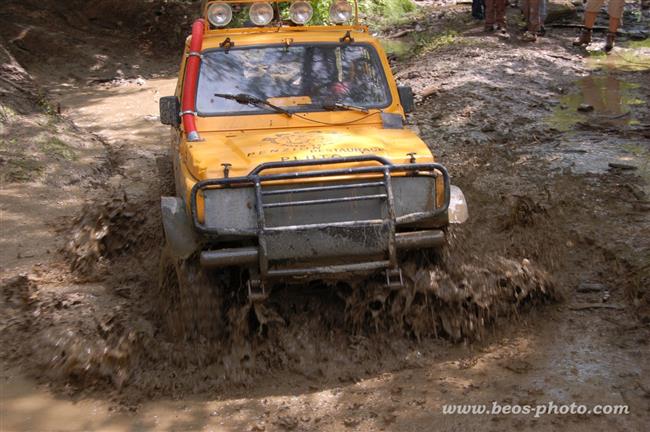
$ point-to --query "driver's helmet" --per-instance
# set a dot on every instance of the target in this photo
(340, 89)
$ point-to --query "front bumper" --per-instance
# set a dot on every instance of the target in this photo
(340, 220)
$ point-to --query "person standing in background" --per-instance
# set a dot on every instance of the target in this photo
(478, 9)
(495, 14)
(614, 10)
(535, 22)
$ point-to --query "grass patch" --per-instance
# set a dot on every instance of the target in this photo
(20, 170)
(6, 113)
(384, 13)
(58, 149)
(640, 44)
(433, 43)
(45, 105)
(7, 145)
(49, 109)
(421, 43)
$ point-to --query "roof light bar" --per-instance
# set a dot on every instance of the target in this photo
(301, 12)
(340, 12)
(261, 14)
(220, 14)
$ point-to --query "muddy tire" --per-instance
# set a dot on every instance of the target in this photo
(190, 299)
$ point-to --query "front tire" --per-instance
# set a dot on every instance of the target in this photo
(190, 299)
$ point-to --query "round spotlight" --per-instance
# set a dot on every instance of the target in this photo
(340, 12)
(261, 13)
(301, 12)
(220, 14)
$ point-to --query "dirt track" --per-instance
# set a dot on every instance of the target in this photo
(536, 176)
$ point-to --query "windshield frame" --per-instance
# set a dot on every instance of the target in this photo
(374, 55)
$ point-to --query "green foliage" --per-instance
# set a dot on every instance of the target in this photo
(321, 12)
(385, 10)
(6, 113)
(57, 148)
(21, 170)
(640, 44)
(437, 41)
(45, 105)
(374, 11)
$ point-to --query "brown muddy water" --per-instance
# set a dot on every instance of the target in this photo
(607, 107)
(599, 99)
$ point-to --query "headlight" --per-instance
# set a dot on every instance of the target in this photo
(340, 12)
(261, 13)
(220, 14)
(300, 12)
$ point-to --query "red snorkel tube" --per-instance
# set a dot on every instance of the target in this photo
(188, 104)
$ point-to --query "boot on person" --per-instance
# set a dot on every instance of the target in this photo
(585, 37)
(611, 33)
(609, 41)
(529, 36)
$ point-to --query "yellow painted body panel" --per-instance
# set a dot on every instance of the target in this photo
(245, 150)
(245, 141)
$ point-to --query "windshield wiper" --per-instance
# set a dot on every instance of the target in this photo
(333, 106)
(245, 99)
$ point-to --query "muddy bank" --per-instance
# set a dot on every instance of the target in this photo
(155, 26)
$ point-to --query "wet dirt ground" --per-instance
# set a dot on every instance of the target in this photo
(563, 189)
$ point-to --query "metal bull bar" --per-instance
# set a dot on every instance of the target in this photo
(251, 255)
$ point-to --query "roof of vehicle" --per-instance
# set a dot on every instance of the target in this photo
(287, 35)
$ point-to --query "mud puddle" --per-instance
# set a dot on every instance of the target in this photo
(631, 56)
(603, 100)
(604, 118)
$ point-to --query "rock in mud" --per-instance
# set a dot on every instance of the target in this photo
(517, 366)
(560, 10)
(590, 287)
(622, 166)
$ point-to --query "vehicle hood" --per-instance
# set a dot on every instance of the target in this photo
(246, 150)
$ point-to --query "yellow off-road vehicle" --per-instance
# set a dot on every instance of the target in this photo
(291, 157)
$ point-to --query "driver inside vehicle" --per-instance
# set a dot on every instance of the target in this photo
(354, 86)
(299, 77)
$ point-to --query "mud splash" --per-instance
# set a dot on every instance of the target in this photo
(102, 230)
(328, 332)
(197, 332)
(455, 305)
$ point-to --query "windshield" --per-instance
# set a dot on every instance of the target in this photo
(297, 77)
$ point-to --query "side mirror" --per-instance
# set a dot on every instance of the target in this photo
(170, 110)
(407, 99)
